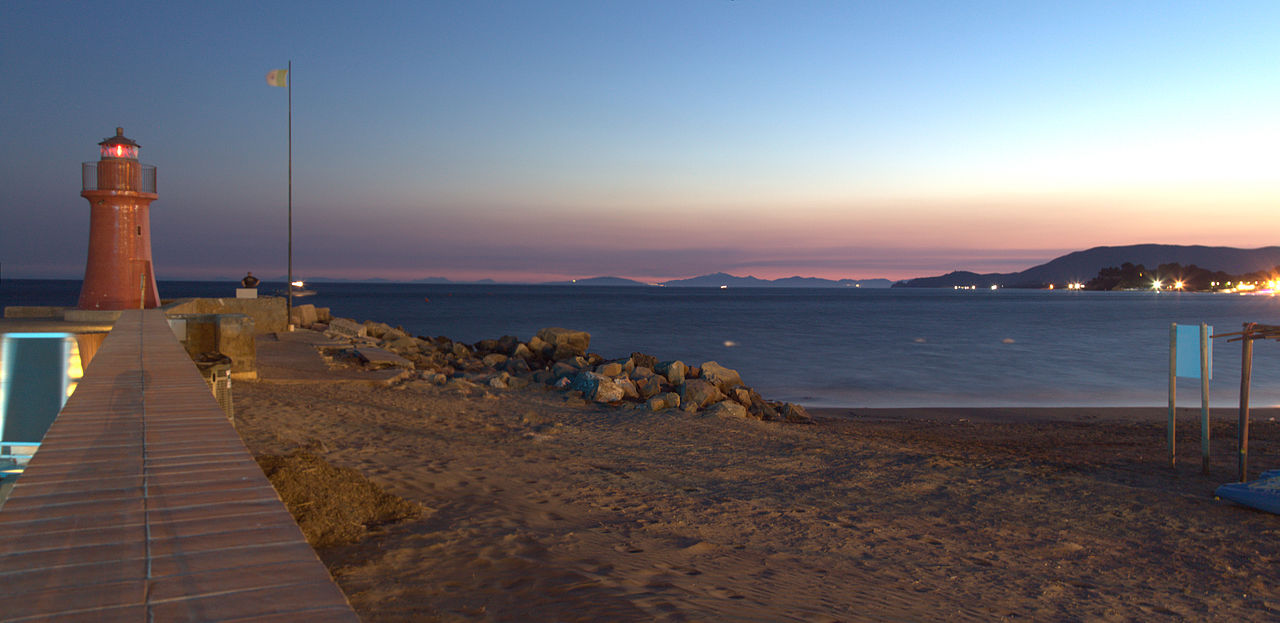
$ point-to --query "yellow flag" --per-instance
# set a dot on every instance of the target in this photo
(278, 77)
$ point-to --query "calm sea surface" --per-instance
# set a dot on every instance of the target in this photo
(837, 347)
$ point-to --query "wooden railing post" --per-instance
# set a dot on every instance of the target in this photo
(1246, 370)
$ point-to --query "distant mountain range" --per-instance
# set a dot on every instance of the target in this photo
(1078, 266)
(1084, 265)
(380, 280)
(717, 280)
(714, 280)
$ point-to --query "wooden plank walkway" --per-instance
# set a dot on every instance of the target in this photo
(143, 504)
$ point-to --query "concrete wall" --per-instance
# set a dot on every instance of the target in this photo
(229, 334)
(268, 312)
(33, 311)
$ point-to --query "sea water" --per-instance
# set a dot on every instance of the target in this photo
(846, 347)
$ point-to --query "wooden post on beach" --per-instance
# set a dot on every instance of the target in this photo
(1204, 398)
(1173, 393)
(1246, 369)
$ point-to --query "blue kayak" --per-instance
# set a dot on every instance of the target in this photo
(1262, 494)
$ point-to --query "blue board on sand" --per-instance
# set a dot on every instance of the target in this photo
(1262, 494)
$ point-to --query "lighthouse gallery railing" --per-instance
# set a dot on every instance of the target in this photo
(89, 178)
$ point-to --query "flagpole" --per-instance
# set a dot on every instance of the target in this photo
(289, 286)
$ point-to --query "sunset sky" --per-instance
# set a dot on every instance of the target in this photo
(647, 139)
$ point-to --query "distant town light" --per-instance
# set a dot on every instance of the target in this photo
(1155, 285)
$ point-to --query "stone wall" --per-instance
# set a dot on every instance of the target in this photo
(228, 334)
(268, 312)
(34, 311)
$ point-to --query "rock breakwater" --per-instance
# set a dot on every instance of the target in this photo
(558, 358)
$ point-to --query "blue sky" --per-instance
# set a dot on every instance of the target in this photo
(531, 140)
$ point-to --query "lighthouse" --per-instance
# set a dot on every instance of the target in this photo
(119, 273)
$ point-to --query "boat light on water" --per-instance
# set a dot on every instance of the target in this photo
(298, 288)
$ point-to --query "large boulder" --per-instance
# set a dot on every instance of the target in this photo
(507, 344)
(565, 342)
(521, 352)
(403, 345)
(347, 327)
(757, 406)
(723, 378)
(563, 369)
(517, 366)
(541, 348)
(609, 368)
(669, 400)
(795, 413)
(643, 360)
(698, 394)
(596, 387)
(376, 329)
(728, 409)
(674, 371)
(628, 388)
(304, 315)
(609, 391)
(648, 386)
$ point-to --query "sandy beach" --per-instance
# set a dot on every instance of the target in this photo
(539, 506)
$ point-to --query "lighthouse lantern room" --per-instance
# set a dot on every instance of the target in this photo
(118, 273)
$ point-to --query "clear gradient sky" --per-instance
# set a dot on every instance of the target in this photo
(538, 140)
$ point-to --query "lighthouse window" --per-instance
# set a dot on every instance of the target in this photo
(139, 230)
(119, 151)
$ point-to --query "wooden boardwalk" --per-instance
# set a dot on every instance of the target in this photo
(143, 504)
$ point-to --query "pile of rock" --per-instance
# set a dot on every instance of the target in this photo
(558, 357)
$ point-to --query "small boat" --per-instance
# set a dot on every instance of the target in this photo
(298, 288)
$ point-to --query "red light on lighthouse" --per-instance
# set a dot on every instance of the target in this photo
(118, 273)
(119, 147)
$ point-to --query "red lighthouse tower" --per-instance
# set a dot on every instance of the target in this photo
(118, 274)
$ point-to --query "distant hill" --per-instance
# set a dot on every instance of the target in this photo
(705, 281)
(716, 280)
(597, 281)
(1084, 265)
